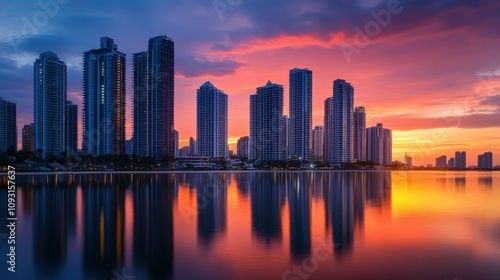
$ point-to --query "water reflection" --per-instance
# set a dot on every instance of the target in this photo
(267, 200)
(90, 226)
(211, 195)
(485, 180)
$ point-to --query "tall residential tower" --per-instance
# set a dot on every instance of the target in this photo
(211, 121)
(300, 142)
(8, 127)
(343, 125)
(360, 134)
(49, 103)
(104, 100)
(266, 115)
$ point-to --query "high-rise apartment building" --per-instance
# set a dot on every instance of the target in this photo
(285, 137)
(441, 162)
(154, 100)
(360, 133)
(49, 103)
(71, 129)
(379, 144)
(343, 125)
(8, 127)
(193, 149)
(318, 138)
(161, 97)
(460, 160)
(243, 147)
(104, 100)
(485, 161)
(211, 121)
(328, 131)
(176, 143)
(140, 107)
(29, 138)
(266, 115)
(300, 142)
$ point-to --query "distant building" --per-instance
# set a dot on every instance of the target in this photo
(8, 126)
(360, 134)
(266, 113)
(71, 130)
(460, 160)
(451, 163)
(328, 130)
(343, 125)
(193, 150)
(230, 153)
(318, 142)
(485, 161)
(285, 133)
(211, 121)
(104, 100)
(29, 138)
(300, 142)
(243, 147)
(129, 147)
(441, 162)
(176, 143)
(379, 144)
(408, 160)
(49, 103)
(184, 152)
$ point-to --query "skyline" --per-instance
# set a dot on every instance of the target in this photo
(433, 79)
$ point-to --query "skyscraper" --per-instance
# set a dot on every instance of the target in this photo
(193, 150)
(104, 100)
(285, 137)
(176, 143)
(328, 131)
(360, 133)
(140, 107)
(49, 103)
(29, 138)
(8, 127)
(243, 147)
(343, 126)
(451, 163)
(161, 97)
(211, 121)
(71, 129)
(441, 162)
(485, 161)
(379, 144)
(266, 113)
(460, 160)
(300, 142)
(318, 138)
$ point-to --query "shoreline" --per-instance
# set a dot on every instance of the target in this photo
(44, 173)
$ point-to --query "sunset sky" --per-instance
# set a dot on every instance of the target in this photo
(431, 72)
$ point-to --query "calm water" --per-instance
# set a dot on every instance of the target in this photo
(317, 225)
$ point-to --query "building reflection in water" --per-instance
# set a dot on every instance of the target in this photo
(211, 201)
(346, 196)
(299, 199)
(103, 223)
(153, 223)
(50, 202)
(485, 180)
(267, 199)
(54, 199)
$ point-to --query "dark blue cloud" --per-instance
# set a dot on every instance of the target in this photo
(192, 67)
